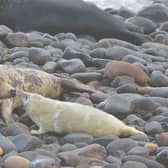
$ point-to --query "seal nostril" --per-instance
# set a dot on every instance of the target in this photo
(13, 92)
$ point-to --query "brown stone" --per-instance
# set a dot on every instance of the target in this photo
(162, 139)
(121, 68)
(16, 162)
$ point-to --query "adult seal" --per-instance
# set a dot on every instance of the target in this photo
(55, 16)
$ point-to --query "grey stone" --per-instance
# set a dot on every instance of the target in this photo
(50, 67)
(87, 76)
(77, 137)
(6, 144)
(72, 158)
(133, 164)
(155, 12)
(148, 162)
(138, 150)
(26, 142)
(153, 127)
(148, 25)
(71, 53)
(72, 66)
(124, 144)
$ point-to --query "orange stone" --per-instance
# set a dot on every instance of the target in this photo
(151, 147)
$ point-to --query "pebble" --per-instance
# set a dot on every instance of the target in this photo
(124, 144)
(133, 164)
(153, 127)
(16, 162)
(76, 138)
(26, 142)
(71, 158)
(162, 139)
(72, 66)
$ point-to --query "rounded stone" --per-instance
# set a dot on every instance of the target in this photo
(148, 25)
(77, 137)
(124, 144)
(72, 66)
(134, 164)
(138, 150)
(162, 139)
(17, 39)
(153, 127)
(16, 162)
(155, 12)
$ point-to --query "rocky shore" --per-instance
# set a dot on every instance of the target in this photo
(131, 83)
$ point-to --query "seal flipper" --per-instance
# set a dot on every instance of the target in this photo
(73, 84)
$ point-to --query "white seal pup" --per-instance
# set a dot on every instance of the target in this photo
(67, 117)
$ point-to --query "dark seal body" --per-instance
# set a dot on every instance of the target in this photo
(55, 16)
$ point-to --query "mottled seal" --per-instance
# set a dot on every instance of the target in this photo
(31, 80)
(55, 16)
(67, 117)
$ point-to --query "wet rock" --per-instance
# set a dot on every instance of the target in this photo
(124, 144)
(98, 53)
(164, 26)
(87, 76)
(42, 162)
(158, 79)
(84, 100)
(138, 150)
(68, 147)
(39, 56)
(133, 164)
(144, 106)
(18, 54)
(72, 158)
(153, 127)
(148, 25)
(18, 39)
(114, 160)
(108, 43)
(76, 137)
(162, 139)
(126, 13)
(26, 142)
(100, 63)
(14, 129)
(104, 141)
(117, 53)
(16, 162)
(72, 66)
(149, 163)
(117, 105)
(4, 30)
(134, 120)
(162, 157)
(155, 12)
(53, 147)
(120, 81)
(71, 53)
(90, 162)
(98, 97)
(6, 144)
(127, 88)
(50, 67)
(132, 59)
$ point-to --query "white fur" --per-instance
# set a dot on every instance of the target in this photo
(66, 117)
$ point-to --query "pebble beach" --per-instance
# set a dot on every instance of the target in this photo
(130, 81)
